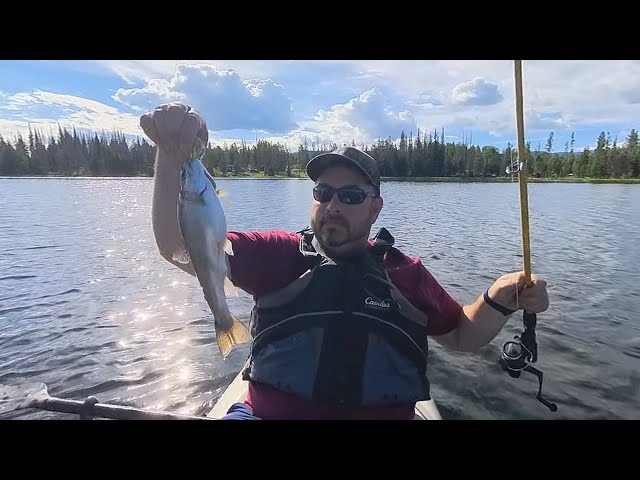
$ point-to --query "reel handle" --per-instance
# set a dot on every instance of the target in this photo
(518, 354)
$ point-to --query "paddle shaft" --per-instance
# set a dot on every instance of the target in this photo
(104, 410)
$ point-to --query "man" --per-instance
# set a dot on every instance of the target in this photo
(341, 322)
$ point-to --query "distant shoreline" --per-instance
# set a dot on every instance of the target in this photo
(384, 179)
(509, 180)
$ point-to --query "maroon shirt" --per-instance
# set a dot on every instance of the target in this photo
(266, 261)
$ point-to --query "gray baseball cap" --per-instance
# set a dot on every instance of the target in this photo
(350, 156)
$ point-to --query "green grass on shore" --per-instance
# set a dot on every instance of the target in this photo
(509, 180)
(261, 175)
(302, 175)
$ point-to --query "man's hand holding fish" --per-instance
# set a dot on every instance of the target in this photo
(177, 129)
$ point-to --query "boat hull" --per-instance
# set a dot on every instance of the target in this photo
(237, 392)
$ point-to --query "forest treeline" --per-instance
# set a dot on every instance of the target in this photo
(70, 153)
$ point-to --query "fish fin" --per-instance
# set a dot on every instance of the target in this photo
(230, 289)
(221, 193)
(181, 255)
(210, 177)
(228, 247)
(236, 335)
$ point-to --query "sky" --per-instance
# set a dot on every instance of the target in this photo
(328, 101)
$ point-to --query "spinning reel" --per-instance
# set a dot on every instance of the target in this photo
(517, 356)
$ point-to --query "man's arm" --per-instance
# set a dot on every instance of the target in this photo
(176, 130)
(479, 323)
(164, 207)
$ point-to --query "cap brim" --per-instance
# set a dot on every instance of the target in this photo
(320, 163)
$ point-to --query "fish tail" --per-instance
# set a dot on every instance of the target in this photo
(237, 334)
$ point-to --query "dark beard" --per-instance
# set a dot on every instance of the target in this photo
(348, 241)
(333, 231)
(342, 250)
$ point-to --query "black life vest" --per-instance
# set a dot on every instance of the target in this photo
(341, 333)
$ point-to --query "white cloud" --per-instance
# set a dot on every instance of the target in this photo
(133, 71)
(225, 100)
(368, 116)
(22, 101)
(44, 111)
(476, 92)
(556, 93)
(363, 119)
(631, 95)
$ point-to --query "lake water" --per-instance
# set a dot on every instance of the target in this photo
(88, 306)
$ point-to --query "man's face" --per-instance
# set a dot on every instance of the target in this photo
(337, 224)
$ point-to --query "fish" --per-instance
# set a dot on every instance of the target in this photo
(203, 241)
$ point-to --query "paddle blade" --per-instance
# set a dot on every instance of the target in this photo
(16, 397)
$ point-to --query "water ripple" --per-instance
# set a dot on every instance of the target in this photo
(88, 307)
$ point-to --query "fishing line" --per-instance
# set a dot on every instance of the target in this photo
(512, 168)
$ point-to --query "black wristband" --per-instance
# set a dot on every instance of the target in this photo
(503, 310)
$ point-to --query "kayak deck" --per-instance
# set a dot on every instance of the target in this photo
(237, 392)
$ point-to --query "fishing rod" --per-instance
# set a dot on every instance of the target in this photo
(518, 355)
(14, 398)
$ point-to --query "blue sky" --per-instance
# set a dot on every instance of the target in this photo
(329, 101)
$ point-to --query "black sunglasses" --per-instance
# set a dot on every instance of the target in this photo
(347, 195)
